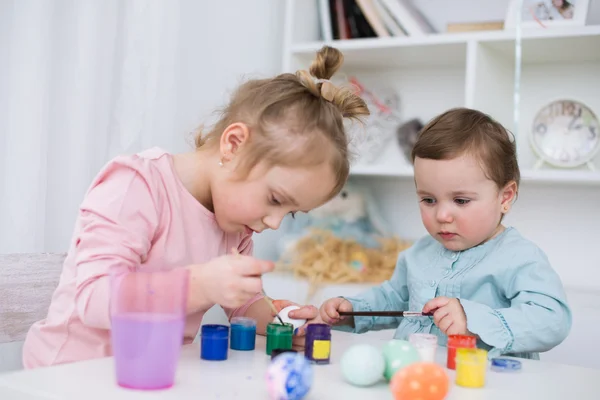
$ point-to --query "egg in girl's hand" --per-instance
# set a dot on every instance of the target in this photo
(363, 365)
(297, 323)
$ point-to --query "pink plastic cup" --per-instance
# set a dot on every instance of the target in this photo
(147, 310)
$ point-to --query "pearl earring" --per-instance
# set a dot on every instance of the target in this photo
(220, 163)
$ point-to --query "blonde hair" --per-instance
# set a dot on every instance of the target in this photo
(294, 119)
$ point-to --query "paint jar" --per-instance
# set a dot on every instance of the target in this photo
(279, 336)
(457, 342)
(276, 352)
(426, 344)
(471, 366)
(505, 365)
(243, 333)
(214, 342)
(318, 343)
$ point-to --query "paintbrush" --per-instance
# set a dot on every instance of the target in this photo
(384, 314)
(265, 297)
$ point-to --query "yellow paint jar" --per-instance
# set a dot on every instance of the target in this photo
(471, 366)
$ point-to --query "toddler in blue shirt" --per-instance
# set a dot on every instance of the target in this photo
(475, 275)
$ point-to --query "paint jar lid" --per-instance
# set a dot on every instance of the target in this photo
(243, 321)
(215, 331)
(278, 329)
(505, 365)
(462, 341)
(422, 340)
(318, 330)
(276, 352)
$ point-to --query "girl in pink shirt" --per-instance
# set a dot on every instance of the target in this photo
(278, 148)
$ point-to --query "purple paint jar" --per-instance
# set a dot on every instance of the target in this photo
(318, 343)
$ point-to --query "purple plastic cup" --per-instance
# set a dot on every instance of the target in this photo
(147, 310)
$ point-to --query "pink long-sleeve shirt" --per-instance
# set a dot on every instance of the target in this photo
(136, 214)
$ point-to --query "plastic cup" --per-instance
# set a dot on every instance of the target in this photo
(147, 310)
(426, 345)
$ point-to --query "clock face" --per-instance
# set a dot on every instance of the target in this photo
(566, 133)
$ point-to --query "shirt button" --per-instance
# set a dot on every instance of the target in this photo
(447, 272)
(432, 283)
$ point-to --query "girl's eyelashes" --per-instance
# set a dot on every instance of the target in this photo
(428, 200)
(462, 202)
(273, 200)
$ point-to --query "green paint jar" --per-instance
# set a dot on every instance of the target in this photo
(279, 336)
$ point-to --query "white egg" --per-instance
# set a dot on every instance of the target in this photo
(297, 323)
(363, 365)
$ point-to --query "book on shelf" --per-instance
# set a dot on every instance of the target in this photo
(475, 26)
(352, 19)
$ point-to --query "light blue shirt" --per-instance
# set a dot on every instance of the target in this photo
(513, 299)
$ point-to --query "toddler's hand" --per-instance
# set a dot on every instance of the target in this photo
(229, 281)
(329, 310)
(448, 315)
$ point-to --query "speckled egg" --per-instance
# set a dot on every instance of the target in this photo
(420, 381)
(289, 377)
(398, 354)
(362, 365)
(284, 314)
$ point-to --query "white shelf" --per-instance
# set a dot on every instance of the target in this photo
(572, 44)
(575, 177)
(558, 176)
(382, 170)
(433, 73)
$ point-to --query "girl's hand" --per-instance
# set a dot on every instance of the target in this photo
(329, 311)
(448, 315)
(229, 281)
(309, 313)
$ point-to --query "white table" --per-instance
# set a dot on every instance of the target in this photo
(242, 377)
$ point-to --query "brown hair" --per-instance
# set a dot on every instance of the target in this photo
(463, 130)
(292, 117)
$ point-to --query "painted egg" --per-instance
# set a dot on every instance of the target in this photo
(398, 354)
(362, 365)
(289, 377)
(297, 323)
(422, 380)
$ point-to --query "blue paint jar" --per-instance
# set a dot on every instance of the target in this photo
(214, 342)
(243, 333)
(317, 347)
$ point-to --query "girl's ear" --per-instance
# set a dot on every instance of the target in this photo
(232, 139)
(508, 196)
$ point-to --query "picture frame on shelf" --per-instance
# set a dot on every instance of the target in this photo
(547, 13)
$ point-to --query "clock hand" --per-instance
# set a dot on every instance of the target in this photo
(572, 122)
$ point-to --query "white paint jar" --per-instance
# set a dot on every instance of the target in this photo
(426, 344)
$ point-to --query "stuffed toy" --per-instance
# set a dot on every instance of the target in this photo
(344, 240)
(351, 215)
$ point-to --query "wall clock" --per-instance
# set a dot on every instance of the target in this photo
(566, 134)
